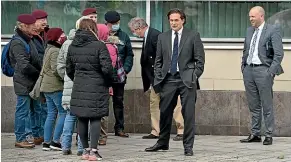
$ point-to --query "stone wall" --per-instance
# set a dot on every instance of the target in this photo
(217, 112)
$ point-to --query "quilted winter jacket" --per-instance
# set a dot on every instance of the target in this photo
(61, 67)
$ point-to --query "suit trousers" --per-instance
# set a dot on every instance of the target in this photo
(171, 88)
(155, 114)
(104, 123)
(118, 107)
(104, 128)
(258, 83)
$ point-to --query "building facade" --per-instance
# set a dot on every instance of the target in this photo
(221, 105)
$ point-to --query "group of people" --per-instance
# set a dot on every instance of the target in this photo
(79, 72)
(76, 75)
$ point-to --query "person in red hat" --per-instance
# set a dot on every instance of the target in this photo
(41, 20)
(52, 88)
(27, 66)
(90, 13)
(38, 116)
(41, 24)
(41, 30)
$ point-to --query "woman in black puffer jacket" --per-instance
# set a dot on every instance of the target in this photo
(89, 66)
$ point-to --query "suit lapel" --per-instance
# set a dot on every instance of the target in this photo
(183, 39)
(145, 45)
(148, 38)
(263, 34)
(143, 49)
(169, 42)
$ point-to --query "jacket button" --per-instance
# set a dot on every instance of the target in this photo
(151, 57)
(152, 65)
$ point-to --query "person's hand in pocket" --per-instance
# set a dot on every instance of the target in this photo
(66, 106)
(42, 100)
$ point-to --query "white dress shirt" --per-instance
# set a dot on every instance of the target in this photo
(256, 59)
(179, 39)
(145, 36)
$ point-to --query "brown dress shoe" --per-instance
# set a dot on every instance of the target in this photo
(179, 137)
(102, 142)
(121, 134)
(38, 140)
(24, 144)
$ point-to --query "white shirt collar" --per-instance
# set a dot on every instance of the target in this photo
(261, 26)
(179, 32)
(146, 33)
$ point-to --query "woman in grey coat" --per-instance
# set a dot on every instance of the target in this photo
(70, 120)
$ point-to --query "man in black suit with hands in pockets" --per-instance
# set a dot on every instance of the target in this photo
(179, 62)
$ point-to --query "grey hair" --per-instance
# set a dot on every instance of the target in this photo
(137, 22)
(19, 25)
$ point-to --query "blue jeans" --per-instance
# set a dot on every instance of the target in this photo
(68, 131)
(43, 117)
(35, 119)
(54, 110)
(22, 123)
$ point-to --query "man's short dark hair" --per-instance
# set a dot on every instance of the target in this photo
(178, 11)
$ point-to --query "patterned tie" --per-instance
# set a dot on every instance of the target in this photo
(253, 46)
(175, 55)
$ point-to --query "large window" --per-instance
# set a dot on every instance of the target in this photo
(64, 14)
(219, 19)
(213, 19)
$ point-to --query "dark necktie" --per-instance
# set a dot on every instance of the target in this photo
(175, 54)
(253, 46)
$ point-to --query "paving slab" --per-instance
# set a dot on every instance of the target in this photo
(206, 149)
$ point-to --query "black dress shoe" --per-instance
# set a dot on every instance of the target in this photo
(268, 141)
(150, 136)
(251, 138)
(188, 152)
(157, 147)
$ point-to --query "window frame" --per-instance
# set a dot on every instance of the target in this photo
(210, 40)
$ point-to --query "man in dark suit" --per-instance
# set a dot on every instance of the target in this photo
(261, 61)
(140, 28)
(179, 62)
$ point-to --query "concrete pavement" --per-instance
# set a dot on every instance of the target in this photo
(206, 149)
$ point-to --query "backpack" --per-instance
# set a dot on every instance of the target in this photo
(6, 67)
(121, 75)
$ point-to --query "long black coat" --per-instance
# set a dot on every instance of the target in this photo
(89, 66)
(27, 66)
(148, 56)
